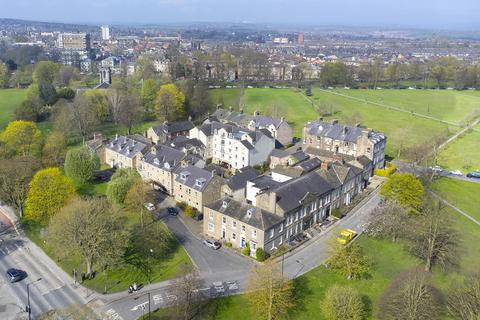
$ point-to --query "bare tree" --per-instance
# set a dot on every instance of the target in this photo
(15, 176)
(269, 293)
(463, 301)
(130, 111)
(411, 296)
(187, 293)
(390, 220)
(433, 239)
(115, 98)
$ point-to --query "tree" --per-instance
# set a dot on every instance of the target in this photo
(411, 296)
(27, 110)
(65, 75)
(145, 68)
(188, 297)
(433, 239)
(80, 164)
(54, 150)
(200, 102)
(15, 176)
(404, 188)
(390, 220)
(21, 137)
(99, 104)
(148, 96)
(333, 73)
(48, 192)
(115, 98)
(75, 118)
(463, 301)
(343, 303)
(392, 73)
(43, 78)
(170, 103)
(4, 75)
(130, 111)
(120, 183)
(269, 293)
(90, 228)
(350, 261)
(136, 198)
(439, 74)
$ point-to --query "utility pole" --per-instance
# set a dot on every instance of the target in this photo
(28, 309)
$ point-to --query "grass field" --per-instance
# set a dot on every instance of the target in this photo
(9, 100)
(463, 153)
(402, 129)
(462, 194)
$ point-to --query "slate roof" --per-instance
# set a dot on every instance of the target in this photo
(237, 132)
(239, 180)
(264, 182)
(244, 120)
(279, 153)
(173, 127)
(326, 154)
(164, 154)
(340, 132)
(128, 146)
(290, 193)
(181, 142)
(192, 176)
(248, 214)
(310, 164)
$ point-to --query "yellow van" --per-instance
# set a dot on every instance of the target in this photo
(346, 235)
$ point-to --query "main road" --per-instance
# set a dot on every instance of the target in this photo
(55, 289)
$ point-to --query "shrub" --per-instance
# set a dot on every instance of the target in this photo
(228, 244)
(80, 164)
(261, 255)
(121, 181)
(189, 211)
(246, 250)
(337, 213)
(389, 169)
(182, 205)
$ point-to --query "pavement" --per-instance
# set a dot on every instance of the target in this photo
(55, 290)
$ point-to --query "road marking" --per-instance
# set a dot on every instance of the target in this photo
(112, 315)
(157, 299)
(140, 306)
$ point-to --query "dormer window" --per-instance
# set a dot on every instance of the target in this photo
(166, 165)
(184, 175)
(200, 182)
(224, 204)
(250, 212)
(156, 161)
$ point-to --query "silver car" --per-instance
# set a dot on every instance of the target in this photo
(212, 244)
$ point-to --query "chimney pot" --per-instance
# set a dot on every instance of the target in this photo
(358, 124)
(320, 119)
(189, 118)
(230, 108)
(335, 121)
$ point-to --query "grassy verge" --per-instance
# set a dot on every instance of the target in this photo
(463, 153)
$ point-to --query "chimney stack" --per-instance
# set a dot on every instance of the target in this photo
(241, 110)
(282, 119)
(358, 124)
(335, 121)
(219, 106)
(230, 108)
(189, 118)
(256, 113)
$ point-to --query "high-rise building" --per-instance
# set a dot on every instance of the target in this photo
(300, 38)
(105, 33)
(74, 41)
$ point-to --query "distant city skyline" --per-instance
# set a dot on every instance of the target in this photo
(442, 14)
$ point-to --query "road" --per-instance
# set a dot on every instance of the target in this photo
(408, 167)
(53, 291)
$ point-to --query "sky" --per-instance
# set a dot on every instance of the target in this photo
(443, 14)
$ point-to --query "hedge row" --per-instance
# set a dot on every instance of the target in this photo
(389, 169)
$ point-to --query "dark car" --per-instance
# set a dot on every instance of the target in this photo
(172, 211)
(474, 174)
(198, 217)
(16, 275)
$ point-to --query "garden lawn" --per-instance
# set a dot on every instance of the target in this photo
(9, 100)
(462, 153)
(132, 269)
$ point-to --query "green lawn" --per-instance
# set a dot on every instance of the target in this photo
(9, 100)
(133, 268)
(463, 153)
(275, 102)
(462, 194)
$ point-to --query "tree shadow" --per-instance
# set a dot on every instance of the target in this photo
(367, 307)
(300, 292)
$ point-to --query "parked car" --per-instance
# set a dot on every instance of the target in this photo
(198, 217)
(346, 235)
(15, 275)
(212, 244)
(149, 206)
(172, 211)
(474, 174)
(456, 172)
(436, 168)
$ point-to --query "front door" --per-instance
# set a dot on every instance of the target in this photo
(242, 243)
(223, 233)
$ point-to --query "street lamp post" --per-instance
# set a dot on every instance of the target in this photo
(150, 271)
(29, 308)
(143, 306)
